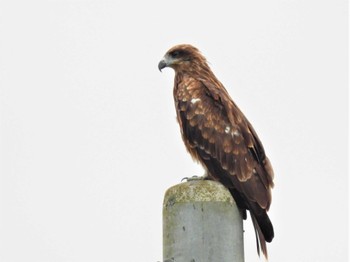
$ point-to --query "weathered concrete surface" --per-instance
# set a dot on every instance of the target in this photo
(201, 223)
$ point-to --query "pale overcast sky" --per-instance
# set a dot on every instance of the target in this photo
(89, 141)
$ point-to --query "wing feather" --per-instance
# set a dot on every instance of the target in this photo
(214, 124)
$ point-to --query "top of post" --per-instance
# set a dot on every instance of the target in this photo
(197, 191)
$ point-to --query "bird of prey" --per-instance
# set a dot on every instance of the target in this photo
(218, 135)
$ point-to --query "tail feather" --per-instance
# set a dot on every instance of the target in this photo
(260, 238)
(265, 226)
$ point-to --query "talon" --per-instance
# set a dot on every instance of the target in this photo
(194, 178)
(185, 178)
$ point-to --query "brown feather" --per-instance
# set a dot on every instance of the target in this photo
(218, 135)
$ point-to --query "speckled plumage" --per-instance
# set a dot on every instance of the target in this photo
(218, 135)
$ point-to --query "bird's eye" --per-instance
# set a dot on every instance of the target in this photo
(175, 54)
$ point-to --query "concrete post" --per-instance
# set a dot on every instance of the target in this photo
(201, 223)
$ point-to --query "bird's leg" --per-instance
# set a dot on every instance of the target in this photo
(195, 178)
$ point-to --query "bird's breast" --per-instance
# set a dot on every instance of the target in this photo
(186, 89)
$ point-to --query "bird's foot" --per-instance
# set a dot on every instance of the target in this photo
(194, 178)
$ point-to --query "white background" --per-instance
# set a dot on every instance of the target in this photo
(89, 141)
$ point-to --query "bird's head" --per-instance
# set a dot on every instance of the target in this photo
(182, 57)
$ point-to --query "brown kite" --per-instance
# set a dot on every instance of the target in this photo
(218, 135)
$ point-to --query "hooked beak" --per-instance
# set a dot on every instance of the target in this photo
(162, 64)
